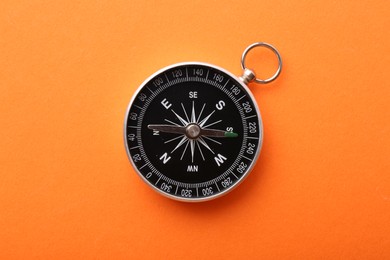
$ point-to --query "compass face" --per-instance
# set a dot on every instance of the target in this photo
(193, 131)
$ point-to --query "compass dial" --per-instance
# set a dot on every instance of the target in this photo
(193, 131)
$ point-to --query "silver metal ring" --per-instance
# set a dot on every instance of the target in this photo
(274, 50)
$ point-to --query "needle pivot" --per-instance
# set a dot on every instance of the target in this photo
(193, 131)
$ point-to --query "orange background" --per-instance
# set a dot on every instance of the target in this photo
(320, 189)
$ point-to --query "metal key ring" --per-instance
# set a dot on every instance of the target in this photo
(274, 50)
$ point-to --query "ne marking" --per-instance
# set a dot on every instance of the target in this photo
(134, 147)
(136, 127)
(138, 107)
(216, 184)
(235, 175)
(252, 137)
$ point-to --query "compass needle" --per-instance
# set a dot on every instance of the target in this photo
(168, 128)
(193, 130)
(217, 133)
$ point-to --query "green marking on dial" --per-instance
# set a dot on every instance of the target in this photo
(230, 134)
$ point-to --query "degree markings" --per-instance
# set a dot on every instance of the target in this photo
(166, 77)
(226, 83)
(249, 117)
(246, 158)
(143, 166)
(150, 90)
(216, 184)
(170, 83)
(241, 98)
(158, 180)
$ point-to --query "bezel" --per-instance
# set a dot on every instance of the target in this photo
(239, 180)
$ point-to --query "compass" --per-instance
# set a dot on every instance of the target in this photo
(193, 130)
